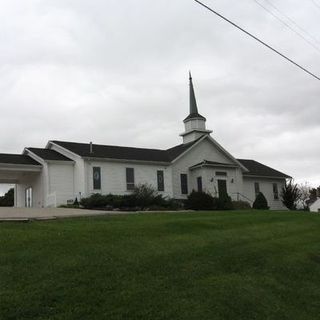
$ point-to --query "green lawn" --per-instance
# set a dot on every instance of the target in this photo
(213, 265)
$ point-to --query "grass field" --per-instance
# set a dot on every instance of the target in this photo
(219, 265)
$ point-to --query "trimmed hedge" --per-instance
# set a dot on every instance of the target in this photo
(204, 201)
(143, 197)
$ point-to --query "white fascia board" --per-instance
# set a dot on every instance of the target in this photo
(42, 161)
(182, 154)
(213, 165)
(20, 167)
(26, 151)
(72, 162)
(266, 177)
(229, 155)
(72, 154)
(126, 161)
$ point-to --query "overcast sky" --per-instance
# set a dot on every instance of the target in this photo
(116, 72)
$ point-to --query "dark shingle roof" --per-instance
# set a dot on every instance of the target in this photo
(9, 158)
(48, 154)
(258, 169)
(176, 151)
(126, 153)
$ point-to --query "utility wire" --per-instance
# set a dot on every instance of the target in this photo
(287, 25)
(293, 22)
(316, 4)
(257, 39)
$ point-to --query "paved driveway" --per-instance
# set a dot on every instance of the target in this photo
(49, 213)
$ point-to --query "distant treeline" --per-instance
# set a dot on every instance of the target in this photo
(8, 199)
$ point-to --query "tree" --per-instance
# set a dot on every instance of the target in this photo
(313, 195)
(8, 199)
(304, 189)
(290, 195)
(260, 202)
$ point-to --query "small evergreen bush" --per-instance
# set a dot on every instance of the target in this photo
(260, 202)
(199, 201)
(145, 195)
(224, 202)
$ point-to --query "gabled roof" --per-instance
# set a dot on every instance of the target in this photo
(258, 169)
(124, 153)
(176, 151)
(48, 154)
(9, 158)
(212, 163)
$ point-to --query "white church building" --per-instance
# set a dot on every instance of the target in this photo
(64, 171)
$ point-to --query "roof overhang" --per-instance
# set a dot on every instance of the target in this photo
(20, 167)
(266, 177)
(212, 164)
(162, 163)
(204, 131)
(41, 160)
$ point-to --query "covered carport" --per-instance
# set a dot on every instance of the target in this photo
(25, 173)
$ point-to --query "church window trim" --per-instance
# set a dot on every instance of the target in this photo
(130, 178)
(96, 175)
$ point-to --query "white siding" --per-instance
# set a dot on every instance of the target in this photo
(205, 150)
(35, 182)
(79, 185)
(210, 180)
(61, 182)
(315, 207)
(266, 187)
(113, 176)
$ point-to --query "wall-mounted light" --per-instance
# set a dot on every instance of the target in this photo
(232, 181)
(211, 180)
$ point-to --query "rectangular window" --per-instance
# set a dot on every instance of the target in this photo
(256, 188)
(184, 183)
(130, 178)
(199, 183)
(96, 174)
(160, 180)
(221, 173)
(275, 191)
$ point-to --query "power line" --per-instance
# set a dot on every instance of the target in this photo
(316, 4)
(287, 25)
(292, 21)
(257, 39)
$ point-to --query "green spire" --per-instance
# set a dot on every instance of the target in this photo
(193, 102)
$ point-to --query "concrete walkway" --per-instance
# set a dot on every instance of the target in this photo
(26, 214)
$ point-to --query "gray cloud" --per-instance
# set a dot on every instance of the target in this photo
(116, 73)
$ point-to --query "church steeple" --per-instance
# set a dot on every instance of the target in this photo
(193, 108)
(192, 99)
(195, 123)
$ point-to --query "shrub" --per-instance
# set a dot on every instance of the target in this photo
(76, 203)
(199, 201)
(145, 195)
(260, 202)
(241, 205)
(224, 202)
(142, 197)
(96, 200)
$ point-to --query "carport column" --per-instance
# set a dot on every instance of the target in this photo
(15, 195)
